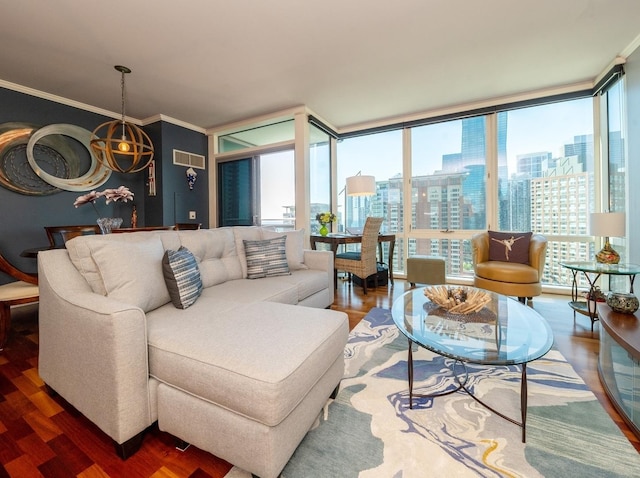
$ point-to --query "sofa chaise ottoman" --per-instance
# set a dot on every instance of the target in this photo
(242, 372)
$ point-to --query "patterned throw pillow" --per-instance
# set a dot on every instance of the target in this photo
(266, 258)
(182, 276)
(509, 246)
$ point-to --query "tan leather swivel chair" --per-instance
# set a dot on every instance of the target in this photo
(509, 278)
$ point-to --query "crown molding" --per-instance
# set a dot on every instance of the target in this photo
(93, 109)
(174, 121)
(63, 101)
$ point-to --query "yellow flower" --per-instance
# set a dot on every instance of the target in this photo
(325, 217)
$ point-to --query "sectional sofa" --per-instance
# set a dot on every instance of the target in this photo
(221, 336)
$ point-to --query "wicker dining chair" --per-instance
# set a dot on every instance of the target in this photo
(363, 263)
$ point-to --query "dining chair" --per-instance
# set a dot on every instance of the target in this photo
(362, 263)
(187, 226)
(59, 235)
(124, 230)
(24, 290)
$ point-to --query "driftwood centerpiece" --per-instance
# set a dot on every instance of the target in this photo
(456, 299)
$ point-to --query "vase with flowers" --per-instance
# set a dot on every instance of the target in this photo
(325, 218)
(111, 195)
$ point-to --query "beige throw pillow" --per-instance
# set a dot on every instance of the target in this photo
(294, 246)
(132, 271)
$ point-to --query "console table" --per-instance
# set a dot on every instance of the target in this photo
(592, 271)
(619, 363)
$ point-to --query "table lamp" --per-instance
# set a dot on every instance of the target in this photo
(607, 224)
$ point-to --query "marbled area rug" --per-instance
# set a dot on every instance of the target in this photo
(369, 430)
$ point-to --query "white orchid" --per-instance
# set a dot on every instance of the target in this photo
(111, 195)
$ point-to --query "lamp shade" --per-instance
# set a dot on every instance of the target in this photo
(361, 185)
(607, 224)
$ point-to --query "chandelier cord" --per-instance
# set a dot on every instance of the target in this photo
(122, 102)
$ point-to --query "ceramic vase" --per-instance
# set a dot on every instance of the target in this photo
(623, 303)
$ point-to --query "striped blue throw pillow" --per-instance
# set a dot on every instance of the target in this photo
(182, 276)
(266, 258)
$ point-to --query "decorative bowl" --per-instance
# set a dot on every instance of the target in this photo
(623, 303)
(457, 299)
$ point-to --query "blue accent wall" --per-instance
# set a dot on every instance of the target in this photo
(174, 199)
(23, 217)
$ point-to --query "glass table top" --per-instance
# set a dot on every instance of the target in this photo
(503, 332)
(599, 268)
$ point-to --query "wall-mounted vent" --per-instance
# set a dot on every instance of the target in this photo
(182, 158)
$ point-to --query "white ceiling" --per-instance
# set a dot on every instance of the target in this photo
(211, 62)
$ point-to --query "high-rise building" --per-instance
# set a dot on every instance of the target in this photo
(531, 163)
(558, 208)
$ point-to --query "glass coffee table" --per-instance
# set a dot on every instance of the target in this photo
(504, 332)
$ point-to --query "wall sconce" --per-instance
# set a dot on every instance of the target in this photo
(191, 177)
(119, 145)
(607, 224)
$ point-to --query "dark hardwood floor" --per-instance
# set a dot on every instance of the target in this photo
(44, 436)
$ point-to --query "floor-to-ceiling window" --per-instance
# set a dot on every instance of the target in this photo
(547, 182)
(440, 180)
(614, 166)
(258, 191)
(277, 190)
(448, 190)
(524, 169)
(378, 155)
(235, 193)
(319, 176)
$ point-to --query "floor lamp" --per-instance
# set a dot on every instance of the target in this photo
(360, 185)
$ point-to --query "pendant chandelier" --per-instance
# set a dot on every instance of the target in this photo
(119, 145)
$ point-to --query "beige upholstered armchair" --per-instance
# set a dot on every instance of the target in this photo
(364, 263)
(509, 276)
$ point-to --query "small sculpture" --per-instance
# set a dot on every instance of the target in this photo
(191, 177)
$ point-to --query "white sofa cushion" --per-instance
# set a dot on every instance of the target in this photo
(247, 290)
(294, 246)
(205, 355)
(245, 233)
(216, 252)
(307, 282)
(129, 271)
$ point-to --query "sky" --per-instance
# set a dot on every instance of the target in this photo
(529, 130)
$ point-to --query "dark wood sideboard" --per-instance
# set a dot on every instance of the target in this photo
(619, 362)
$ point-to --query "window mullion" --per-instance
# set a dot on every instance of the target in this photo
(491, 172)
